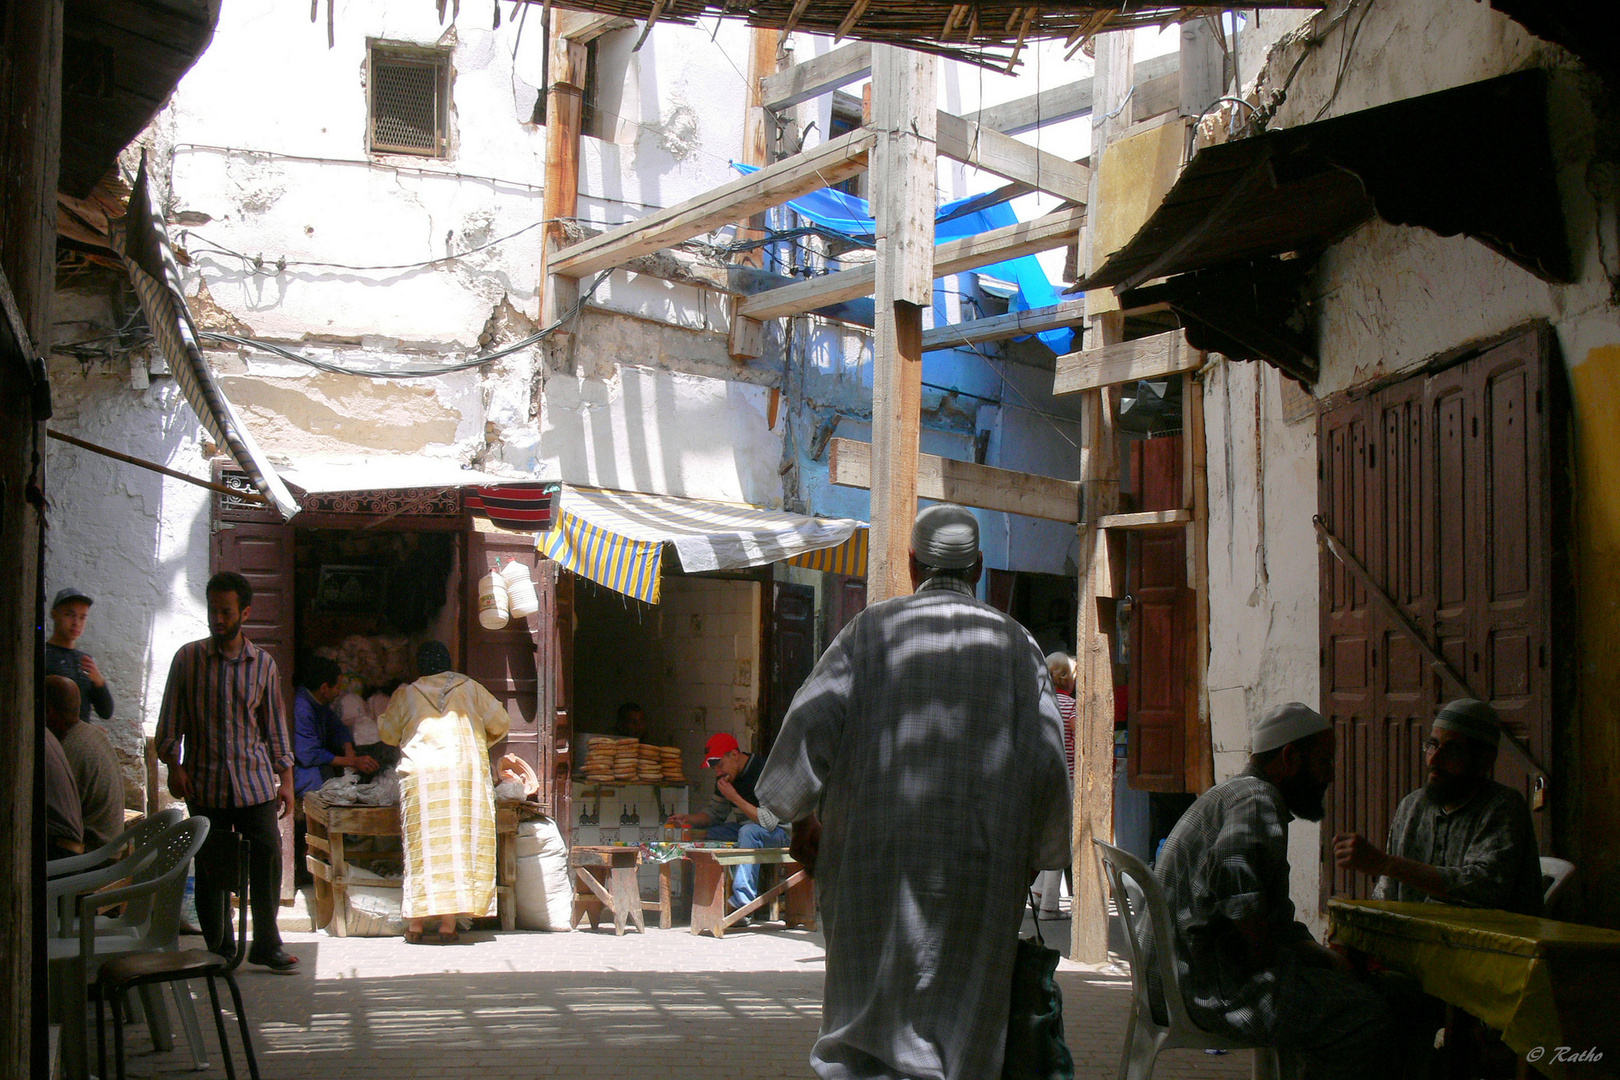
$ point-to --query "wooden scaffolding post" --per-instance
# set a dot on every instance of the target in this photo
(903, 117)
(1094, 719)
(565, 99)
(747, 337)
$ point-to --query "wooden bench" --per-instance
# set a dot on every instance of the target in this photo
(605, 882)
(325, 828)
(793, 899)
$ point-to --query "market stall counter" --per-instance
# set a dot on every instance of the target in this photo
(328, 859)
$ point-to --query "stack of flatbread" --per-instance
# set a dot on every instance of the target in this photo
(670, 768)
(626, 759)
(598, 763)
(648, 767)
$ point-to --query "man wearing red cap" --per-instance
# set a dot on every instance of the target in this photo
(736, 772)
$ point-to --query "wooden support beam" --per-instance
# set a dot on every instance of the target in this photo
(951, 257)
(832, 161)
(1061, 102)
(1145, 519)
(1110, 365)
(1203, 67)
(988, 149)
(966, 483)
(998, 327)
(565, 97)
(1094, 704)
(585, 27)
(1200, 746)
(746, 338)
(817, 75)
(903, 198)
(1156, 97)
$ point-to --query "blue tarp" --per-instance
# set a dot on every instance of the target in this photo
(853, 217)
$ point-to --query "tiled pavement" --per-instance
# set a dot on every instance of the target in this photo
(664, 1006)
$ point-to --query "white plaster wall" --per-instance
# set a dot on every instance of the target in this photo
(661, 432)
(135, 540)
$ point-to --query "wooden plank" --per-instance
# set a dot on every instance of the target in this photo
(559, 297)
(1094, 706)
(832, 161)
(903, 199)
(966, 483)
(817, 75)
(985, 148)
(1156, 97)
(951, 257)
(1145, 519)
(1200, 746)
(1203, 67)
(584, 27)
(746, 338)
(998, 327)
(1062, 102)
(1141, 358)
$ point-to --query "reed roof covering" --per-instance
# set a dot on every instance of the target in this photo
(991, 33)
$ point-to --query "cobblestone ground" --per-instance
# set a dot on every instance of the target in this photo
(663, 1006)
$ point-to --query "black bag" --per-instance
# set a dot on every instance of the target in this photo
(1036, 1049)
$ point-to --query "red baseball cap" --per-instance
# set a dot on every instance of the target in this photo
(719, 745)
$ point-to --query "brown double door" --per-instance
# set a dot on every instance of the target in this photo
(1441, 486)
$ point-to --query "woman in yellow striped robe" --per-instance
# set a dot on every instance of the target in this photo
(444, 725)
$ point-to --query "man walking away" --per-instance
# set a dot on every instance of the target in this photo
(223, 735)
(928, 740)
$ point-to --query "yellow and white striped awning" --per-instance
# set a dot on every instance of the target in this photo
(617, 538)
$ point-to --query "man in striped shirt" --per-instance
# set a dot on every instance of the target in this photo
(223, 735)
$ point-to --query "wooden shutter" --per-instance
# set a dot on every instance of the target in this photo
(1440, 485)
(507, 662)
(262, 552)
(793, 651)
(1161, 628)
(848, 600)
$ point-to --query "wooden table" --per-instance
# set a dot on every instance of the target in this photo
(326, 826)
(608, 876)
(793, 899)
(1544, 985)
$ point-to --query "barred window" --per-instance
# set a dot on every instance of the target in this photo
(408, 100)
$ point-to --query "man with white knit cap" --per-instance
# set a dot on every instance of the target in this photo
(1248, 968)
(928, 741)
(1462, 838)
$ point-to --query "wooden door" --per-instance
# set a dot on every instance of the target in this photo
(1440, 485)
(1161, 628)
(846, 599)
(505, 662)
(262, 552)
(793, 652)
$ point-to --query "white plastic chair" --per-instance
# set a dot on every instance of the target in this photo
(1556, 874)
(1137, 896)
(137, 837)
(150, 923)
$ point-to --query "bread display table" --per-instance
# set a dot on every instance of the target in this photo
(793, 899)
(326, 827)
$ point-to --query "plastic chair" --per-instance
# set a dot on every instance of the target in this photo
(150, 922)
(138, 837)
(132, 971)
(1556, 874)
(1137, 896)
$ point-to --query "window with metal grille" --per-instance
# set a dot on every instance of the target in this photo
(409, 91)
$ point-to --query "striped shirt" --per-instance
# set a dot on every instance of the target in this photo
(230, 716)
(1066, 710)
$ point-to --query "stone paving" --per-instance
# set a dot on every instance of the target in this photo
(587, 1005)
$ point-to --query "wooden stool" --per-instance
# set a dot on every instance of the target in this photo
(608, 877)
(793, 897)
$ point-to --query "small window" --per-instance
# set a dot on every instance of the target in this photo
(409, 92)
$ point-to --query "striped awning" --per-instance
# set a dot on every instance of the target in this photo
(140, 238)
(616, 539)
(848, 558)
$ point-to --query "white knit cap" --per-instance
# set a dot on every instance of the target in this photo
(946, 536)
(1285, 724)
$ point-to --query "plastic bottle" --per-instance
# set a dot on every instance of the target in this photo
(492, 602)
